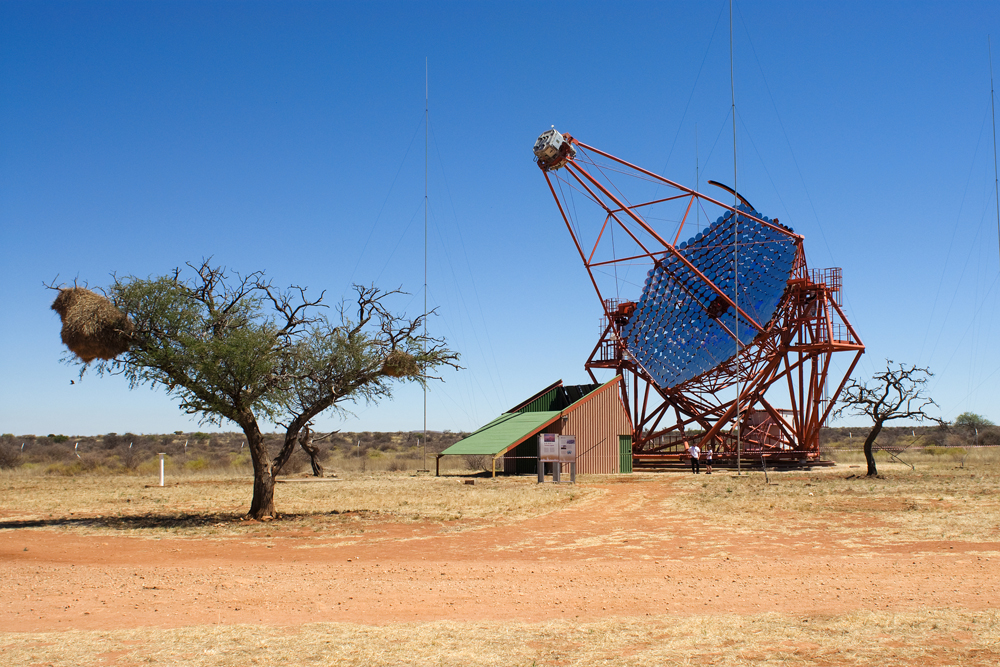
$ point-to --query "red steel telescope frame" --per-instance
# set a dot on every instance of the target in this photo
(786, 383)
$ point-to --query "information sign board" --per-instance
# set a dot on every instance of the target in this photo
(548, 446)
(567, 448)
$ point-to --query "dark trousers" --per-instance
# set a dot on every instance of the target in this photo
(694, 465)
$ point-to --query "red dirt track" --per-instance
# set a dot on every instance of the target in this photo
(618, 554)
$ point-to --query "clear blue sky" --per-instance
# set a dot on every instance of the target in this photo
(137, 136)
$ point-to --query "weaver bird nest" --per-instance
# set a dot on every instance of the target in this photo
(92, 327)
(399, 364)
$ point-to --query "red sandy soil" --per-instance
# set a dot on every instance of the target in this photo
(618, 554)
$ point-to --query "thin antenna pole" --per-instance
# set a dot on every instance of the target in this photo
(993, 114)
(697, 177)
(427, 132)
(736, 243)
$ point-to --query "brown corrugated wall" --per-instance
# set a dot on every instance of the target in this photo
(597, 421)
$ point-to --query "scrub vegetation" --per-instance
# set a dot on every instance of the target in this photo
(132, 454)
(401, 451)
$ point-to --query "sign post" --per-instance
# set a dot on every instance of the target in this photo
(548, 451)
(556, 450)
(567, 454)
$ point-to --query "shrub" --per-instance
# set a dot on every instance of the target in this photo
(990, 438)
(477, 462)
(129, 457)
(953, 452)
(239, 459)
(10, 455)
(64, 469)
(195, 465)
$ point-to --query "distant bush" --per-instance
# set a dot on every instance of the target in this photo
(130, 453)
(194, 465)
(953, 452)
(240, 459)
(10, 454)
(990, 438)
(64, 469)
(477, 462)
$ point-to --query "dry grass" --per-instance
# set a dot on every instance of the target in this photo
(939, 637)
(205, 505)
(939, 500)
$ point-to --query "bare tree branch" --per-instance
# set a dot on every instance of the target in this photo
(896, 393)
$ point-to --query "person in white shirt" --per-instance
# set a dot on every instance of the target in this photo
(708, 461)
(695, 453)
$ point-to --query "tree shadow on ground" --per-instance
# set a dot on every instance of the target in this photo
(171, 520)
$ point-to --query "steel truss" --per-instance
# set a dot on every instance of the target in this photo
(783, 377)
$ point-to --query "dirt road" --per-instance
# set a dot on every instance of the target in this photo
(620, 553)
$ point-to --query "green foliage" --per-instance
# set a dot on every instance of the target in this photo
(971, 421)
(58, 438)
(239, 459)
(196, 465)
(232, 347)
(204, 340)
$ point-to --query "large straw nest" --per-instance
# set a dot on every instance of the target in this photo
(92, 327)
(399, 364)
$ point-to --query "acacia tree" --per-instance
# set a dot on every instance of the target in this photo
(896, 393)
(972, 421)
(352, 360)
(235, 348)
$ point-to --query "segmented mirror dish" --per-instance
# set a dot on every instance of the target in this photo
(676, 332)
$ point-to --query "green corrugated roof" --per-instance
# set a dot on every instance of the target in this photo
(502, 433)
(543, 403)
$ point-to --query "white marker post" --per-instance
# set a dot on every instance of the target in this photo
(162, 454)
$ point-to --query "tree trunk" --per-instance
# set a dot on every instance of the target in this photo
(291, 439)
(869, 456)
(262, 505)
(305, 441)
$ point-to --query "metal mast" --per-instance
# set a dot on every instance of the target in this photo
(993, 115)
(736, 241)
(424, 345)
